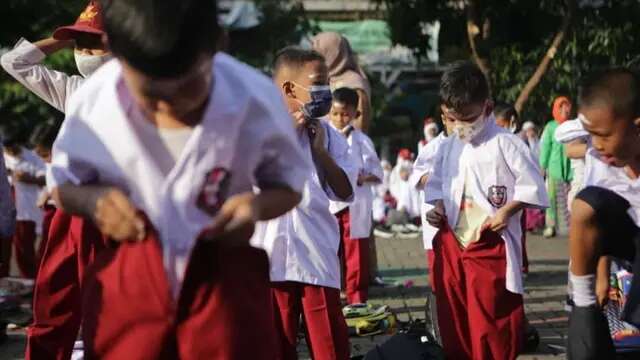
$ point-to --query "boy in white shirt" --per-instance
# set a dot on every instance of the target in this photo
(483, 178)
(605, 215)
(303, 245)
(163, 149)
(27, 175)
(355, 219)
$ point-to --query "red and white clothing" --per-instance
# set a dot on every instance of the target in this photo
(477, 274)
(245, 140)
(423, 166)
(355, 219)
(303, 250)
(501, 169)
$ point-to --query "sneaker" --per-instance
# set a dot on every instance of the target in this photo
(377, 281)
(549, 232)
(383, 232)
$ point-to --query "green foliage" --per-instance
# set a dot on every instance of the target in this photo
(519, 36)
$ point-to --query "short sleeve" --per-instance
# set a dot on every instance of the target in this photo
(370, 158)
(71, 161)
(433, 190)
(529, 183)
(424, 163)
(282, 163)
(339, 150)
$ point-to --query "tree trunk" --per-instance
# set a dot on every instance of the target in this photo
(543, 66)
(474, 31)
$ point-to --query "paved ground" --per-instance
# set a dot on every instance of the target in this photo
(402, 261)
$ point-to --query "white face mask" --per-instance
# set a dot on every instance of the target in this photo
(88, 64)
(468, 131)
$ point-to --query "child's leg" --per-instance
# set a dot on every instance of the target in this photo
(451, 299)
(287, 308)
(600, 226)
(357, 275)
(328, 336)
(57, 302)
(496, 315)
(552, 210)
(6, 247)
(49, 213)
(24, 242)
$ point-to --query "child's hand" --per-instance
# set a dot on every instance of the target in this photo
(437, 216)
(499, 221)
(117, 218)
(235, 220)
(42, 199)
(316, 135)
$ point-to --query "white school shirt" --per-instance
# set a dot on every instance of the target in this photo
(501, 169)
(598, 173)
(26, 194)
(303, 244)
(245, 140)
(567, 132)
(366, 161)
(24, 63)
(423, 166)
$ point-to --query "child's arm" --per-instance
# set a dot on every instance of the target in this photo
(373, 172)
(24, 63)
(334, 175)
(108, 207)
(576, 149)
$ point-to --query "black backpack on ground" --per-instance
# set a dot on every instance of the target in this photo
(414, 342)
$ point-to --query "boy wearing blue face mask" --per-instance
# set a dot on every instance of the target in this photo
(303, 244)
(483, 178)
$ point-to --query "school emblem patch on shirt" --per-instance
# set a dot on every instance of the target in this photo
(498, 195)
(214, 190)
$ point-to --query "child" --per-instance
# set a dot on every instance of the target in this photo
(605, 215)
(303, 245)
(27, 175)
(72, 242)
(42, 140)
(355, 220)
(162, 150)
(430, 130)
(422, 169)
(483, 178)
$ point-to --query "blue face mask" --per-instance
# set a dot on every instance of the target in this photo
(321, 101)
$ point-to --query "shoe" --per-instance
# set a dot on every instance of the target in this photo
(549, 232)
(377, 281)
(383, 232)
(532, 339)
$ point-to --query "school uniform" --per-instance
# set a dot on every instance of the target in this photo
(355, 219)
(303, 250)
(71, 247)
(477, 274)
(614, 198)
(423, 166)
(28, 216)
(567, 132)
(175, 295)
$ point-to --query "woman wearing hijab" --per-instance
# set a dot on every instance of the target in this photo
(557, 167)
(344, 71)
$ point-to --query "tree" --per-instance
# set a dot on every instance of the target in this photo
(529, 50)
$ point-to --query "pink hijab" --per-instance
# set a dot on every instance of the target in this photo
(344, 70)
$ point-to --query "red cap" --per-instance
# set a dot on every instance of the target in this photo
(89, 22)
(405, 154)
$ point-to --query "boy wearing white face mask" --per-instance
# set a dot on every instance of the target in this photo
(483, 178)
(71, 244)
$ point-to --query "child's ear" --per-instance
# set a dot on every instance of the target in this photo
(636, 122)
(288, 89)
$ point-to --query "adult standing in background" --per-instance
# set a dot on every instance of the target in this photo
(556, 164)
(344, 71)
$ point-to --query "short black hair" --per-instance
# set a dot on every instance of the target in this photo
(463, 84)
(294, 57)
(505, 110)
(346, 96)
(45, 134)
(618, 88)
(11, 136)
(161, 38)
